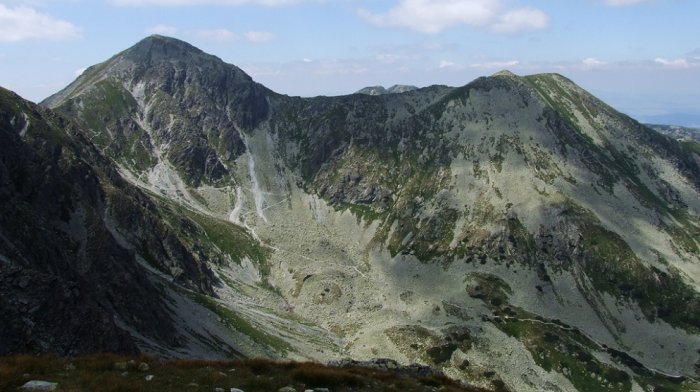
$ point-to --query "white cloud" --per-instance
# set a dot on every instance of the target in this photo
(623, 3)
(162, 29)
(217, 35)
(496, 64)
(22, 23)
(176, 3)
(591, 62)
(676, 63)
(445, 64)
(79, 71)
(523, 19)
(434, 16)
(259, 37)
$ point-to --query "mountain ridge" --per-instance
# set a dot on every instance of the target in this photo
(483, 224)
(380, 90)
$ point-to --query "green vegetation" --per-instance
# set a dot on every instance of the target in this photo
(614, 268)
(602, 163)
(216, 235)
(43, 124)
(691, 146)
(556, 346)
(434, 236)
(550, 90)
(611, 164)
(106, 111)
(489, 288)
(111, 373)
(425, 346)
(545, 169)
(236, 322)
(363, 212)
(233, 240)
(565, 351)
(553, 346)
(107, 103)
(502, 146)
(459, 94)
(562, 348)
(431, 236)
(685, 233)
(652, 381)
(10, 105)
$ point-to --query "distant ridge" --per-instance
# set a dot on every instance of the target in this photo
(677, 132)
(380, 90)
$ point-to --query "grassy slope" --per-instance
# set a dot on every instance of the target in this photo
(112, 373)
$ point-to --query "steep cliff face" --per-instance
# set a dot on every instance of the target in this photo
(515, 225)
(90, 262)
(67, 284)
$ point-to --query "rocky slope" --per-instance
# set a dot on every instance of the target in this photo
(515, 230)
(67, 283)
(92, 264)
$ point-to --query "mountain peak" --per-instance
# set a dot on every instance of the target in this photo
(158, 48)
(505, 73)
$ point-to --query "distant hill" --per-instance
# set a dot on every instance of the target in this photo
(677, 132)
(379, 90)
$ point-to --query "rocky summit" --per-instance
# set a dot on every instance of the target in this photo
(514, 233)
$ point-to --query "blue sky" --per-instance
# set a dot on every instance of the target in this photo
(641, 56)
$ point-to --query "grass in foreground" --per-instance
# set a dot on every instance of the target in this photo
(111, 373)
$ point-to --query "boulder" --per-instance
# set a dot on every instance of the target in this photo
(37, 385)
